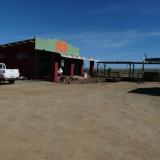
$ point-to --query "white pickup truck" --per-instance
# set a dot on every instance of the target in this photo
(9, 75)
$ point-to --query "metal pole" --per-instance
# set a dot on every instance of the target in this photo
(104, 69)
(91, 69)
(97, 69)
(133, 70)
(143, 70)
(129, 70)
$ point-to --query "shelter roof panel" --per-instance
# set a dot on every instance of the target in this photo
(18, 43)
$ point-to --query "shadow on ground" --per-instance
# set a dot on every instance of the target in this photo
(155, 91)
(3, 83)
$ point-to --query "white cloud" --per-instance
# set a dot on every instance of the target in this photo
(112, 39)
(139, 8)
(111, 8)
(151, 11)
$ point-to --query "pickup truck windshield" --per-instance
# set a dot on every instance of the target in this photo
(2, 66)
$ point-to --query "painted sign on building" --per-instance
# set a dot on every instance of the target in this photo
(57, 46)
(61, 46)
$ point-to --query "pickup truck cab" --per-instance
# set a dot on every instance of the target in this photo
(9, 75)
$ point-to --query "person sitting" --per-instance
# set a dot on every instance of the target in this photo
(60, 71)
(85, 75)
(61, 76)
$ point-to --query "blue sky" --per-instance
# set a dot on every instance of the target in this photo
(102, 29)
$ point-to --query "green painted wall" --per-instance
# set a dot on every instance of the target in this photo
(50, 45)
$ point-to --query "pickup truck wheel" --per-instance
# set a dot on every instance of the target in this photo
(11, 81)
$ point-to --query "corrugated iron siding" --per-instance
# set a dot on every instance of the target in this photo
(19, 56)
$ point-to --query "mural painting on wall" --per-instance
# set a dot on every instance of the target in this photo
(61, 47)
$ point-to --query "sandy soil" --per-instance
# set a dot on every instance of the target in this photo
(109, 121)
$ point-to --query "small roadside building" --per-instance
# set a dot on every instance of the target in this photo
(40, 58)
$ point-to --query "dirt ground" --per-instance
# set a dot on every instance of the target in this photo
(107, 121)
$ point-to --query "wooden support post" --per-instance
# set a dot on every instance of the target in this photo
(91, 69)
(129, 73)
(143, 68)
(97, 69)
(133, 71)
(81, 69)
(72, 69)
(104, 72)
(55, 71)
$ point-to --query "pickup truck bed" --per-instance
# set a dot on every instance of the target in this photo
(9, 75)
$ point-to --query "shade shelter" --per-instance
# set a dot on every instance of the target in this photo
(131, 68)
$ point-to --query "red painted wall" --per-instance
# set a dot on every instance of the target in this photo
(55, 71)
(23, 56)
(20, 56)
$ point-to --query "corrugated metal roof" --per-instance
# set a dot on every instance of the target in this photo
(73, 57)
(152, 60)
(17, 43)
